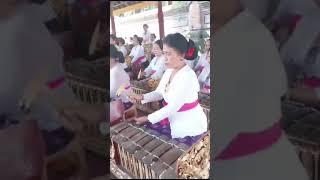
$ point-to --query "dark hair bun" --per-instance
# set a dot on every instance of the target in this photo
(115, 54)
(192, 52)
(176, 41)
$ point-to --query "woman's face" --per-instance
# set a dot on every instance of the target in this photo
(112, 41)
(145, 28)
(156, 50)
(152, 38)
(173, 58)
(135, 41)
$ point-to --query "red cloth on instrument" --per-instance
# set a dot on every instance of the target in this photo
(138, 61)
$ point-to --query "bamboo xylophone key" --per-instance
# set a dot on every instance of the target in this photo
(151, 158)
(140, 154)
(161, 167)
(171, 156)
(118, 127)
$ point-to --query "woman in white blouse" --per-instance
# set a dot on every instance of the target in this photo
(122, 48)
(118, 77)
(124, 51)
(301, 57)
(138, 60)
(179, 88)
(249, 82)
(137, 52)
(204, 76)
(202, 59)
(156, 67)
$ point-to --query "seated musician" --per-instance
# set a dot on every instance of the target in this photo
(114, 41)
(124, 51)
(122, 47)
(287, 15)
(156, 67)
(118, 77)
(204, 76)
(248, 87)
(137, 52)
(33, 73)
(202, 59)
(152, 38)
(301, 56)
(179, 88)
(138, 59)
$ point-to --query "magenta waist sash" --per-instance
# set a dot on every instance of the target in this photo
(250, 143)
(185, 107)
(206, 87)
(138, 61)
(153, 72)
(127, 87)
(55, 83)
(295, 19)
(200, 69)
(312, 82)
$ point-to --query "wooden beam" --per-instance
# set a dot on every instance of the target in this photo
(133, 7)
(160, 19)
(113, 26)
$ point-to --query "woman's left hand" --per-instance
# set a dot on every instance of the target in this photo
(141, 120)
(303, 94)
(33, 91)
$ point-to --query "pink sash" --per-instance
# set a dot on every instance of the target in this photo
(56, 83)
(250, 143)
(138, 61)
(200, 69)
(312, 82)
(127, 87)
(153, 72)
(295, 20)
(185, 107)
